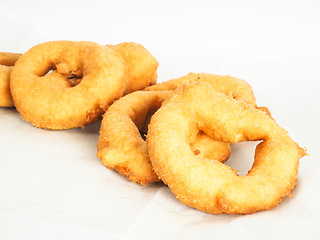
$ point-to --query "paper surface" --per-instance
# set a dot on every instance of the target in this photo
(53, 180)
(52, 186)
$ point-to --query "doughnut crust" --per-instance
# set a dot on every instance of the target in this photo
(65, 84)
(7, 61)
(212, 186)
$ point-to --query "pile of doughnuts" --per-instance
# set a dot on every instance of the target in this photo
(178, 132)
(65, 84)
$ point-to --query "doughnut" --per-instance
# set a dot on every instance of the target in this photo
(238, 88)
(7, 61)
(129, 116)
(65, 84)
(136, 109)
(210, 185)
(142, 66)
(121, 145)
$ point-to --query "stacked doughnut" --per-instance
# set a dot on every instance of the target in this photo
(178, 132)
(65, 84)
(189, 123)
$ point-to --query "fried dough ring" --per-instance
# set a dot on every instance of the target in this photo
(211, 186)
(142, 66)
(86, 78)
(121, 147)
(7, 61)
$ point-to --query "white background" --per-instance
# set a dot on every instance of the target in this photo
(53, 187)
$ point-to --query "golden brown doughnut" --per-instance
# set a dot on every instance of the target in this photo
(209, 185)
(85, 79)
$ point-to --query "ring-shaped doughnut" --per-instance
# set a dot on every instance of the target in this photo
(7, 61)
(121, 146)
(85, 79)
(212, 186)
(142, 66)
